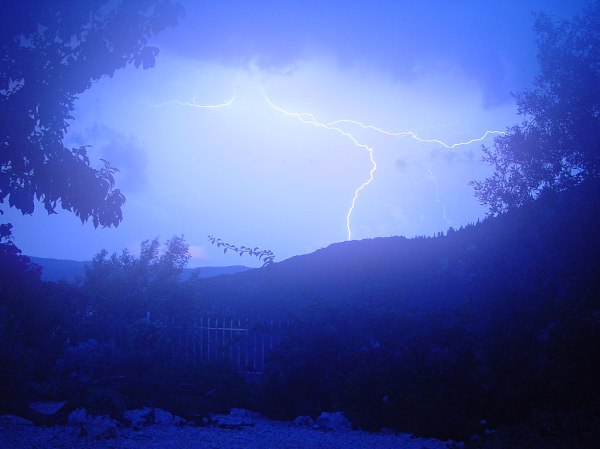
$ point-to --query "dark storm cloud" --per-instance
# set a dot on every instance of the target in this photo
(122, 151)
(490, 42)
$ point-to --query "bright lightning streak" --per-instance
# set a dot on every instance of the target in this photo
(306, 117)
(309, 118)
(195, 104)
(414, 135)
(431, 177)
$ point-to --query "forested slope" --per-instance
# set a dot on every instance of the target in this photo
(549, 249)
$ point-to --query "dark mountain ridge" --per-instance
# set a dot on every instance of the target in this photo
(551, 245)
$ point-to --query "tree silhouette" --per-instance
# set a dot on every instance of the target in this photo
(16, 269)
(51, 52)
(556, 146)
(122, 287)
(265, 255)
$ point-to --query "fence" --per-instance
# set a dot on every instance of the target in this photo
(242, 344)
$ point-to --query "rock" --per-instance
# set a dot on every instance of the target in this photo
(237, 418)
(226, 421)
(102, 428)
(166, 418)
(98, 428)
(140, 417)
(304, 421)
(245, 414)
(48, 407)
(148, 416)
(94, 427)
(78, 416)
(335, 421)
(12, 420)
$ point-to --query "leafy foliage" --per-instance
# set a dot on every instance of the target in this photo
(51, 52)
(104, 342)
(15, 268)
(265, 255)
(556, 146)
(122, 288)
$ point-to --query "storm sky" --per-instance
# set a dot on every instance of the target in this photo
(211, 140)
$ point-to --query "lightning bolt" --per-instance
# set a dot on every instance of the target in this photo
(310, 119)
(195, 104)
(414, 135)
(431, 177)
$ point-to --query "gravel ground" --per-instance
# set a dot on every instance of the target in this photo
(265, 434)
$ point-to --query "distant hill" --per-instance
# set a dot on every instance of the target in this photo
(536, 251)
(69, 270)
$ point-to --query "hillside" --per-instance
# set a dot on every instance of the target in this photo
(551, 247)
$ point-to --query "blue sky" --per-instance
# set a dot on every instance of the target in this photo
(254, 172)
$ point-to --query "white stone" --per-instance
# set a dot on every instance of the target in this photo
(140, 417)
(335, 421)
(304, 421)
